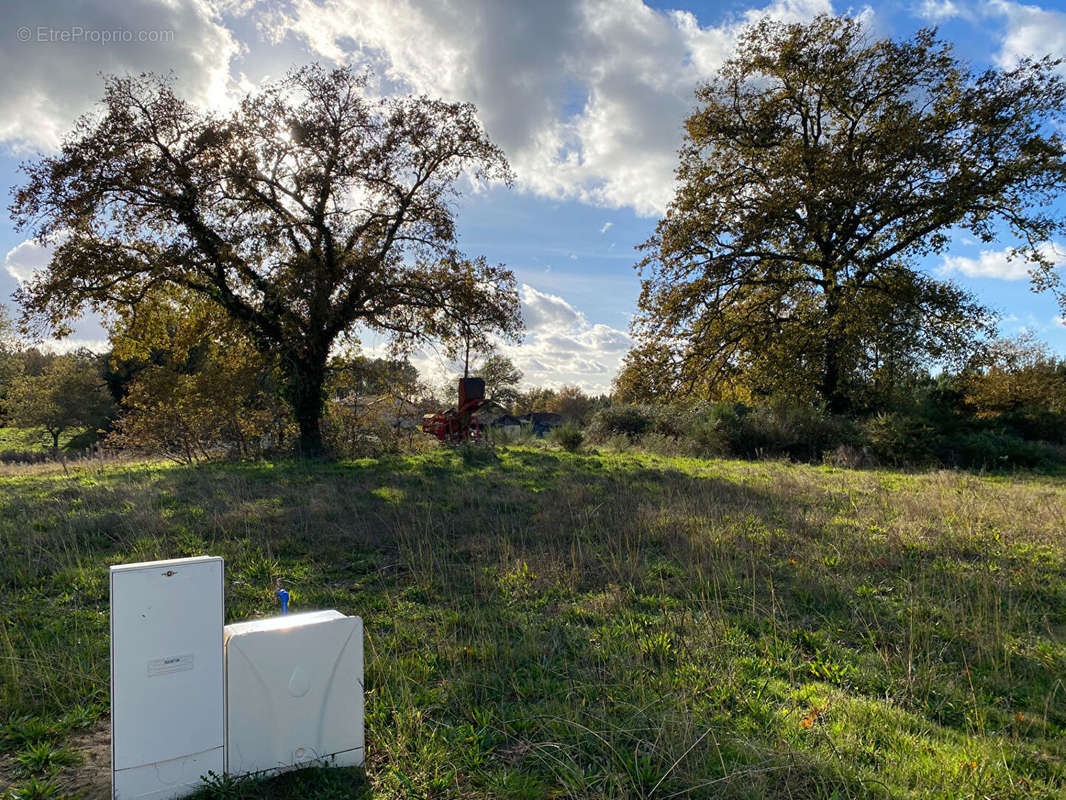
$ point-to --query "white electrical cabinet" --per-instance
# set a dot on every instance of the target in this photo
(167, 689)
(294, 692)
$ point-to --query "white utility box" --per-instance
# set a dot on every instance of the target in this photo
(167, 690)
(294, 692)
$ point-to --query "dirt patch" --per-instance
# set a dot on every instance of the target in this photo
(90, 780)
(6, 773)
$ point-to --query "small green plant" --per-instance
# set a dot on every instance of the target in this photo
(226, 787)
(20, 731)
(568, 436)
(311, 783)
(45, 757)
(35, 788)
(658, 646)
(518, 583)
(80, 716)
(824, 667)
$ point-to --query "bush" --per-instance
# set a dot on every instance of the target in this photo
(726, 429)
(912, 440)
(1035, 424)
(82, 441)
(992, 449)
(670, 421)
(617, 443)
(717, 429)
(800, 432)
(630, 420)
(930, 433)
(349, 433)
(568, 436)
(900, 439)
(847, 457)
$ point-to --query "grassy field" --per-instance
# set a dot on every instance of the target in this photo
(541, 624)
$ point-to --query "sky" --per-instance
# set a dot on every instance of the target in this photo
(586, 97)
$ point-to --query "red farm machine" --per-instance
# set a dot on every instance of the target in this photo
(459, 424)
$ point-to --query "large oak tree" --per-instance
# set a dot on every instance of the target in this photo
(819, 170)
(309, 210)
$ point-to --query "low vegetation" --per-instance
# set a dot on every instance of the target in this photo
(933, 433)
(596, 625)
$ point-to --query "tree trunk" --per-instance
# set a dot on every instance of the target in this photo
(305, 378)
(55, 440)
(835, 400)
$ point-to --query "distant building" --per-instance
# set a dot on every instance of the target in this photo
(508, 425)
(541, 422)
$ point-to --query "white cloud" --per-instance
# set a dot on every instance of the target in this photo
(72, 344)
(1060, 321)
(587, 97)
(25, 258)
(996, 264)
(542, 311)
(562, 347)
(53, 53)
(941, 10)
(1031, 32)
(606, 227)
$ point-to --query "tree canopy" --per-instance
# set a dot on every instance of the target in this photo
(69, 393)
(190, 380)
(820, 168)
(501, 378)
(309, 210)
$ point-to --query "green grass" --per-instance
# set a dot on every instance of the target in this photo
(546, 624)
(32, 439)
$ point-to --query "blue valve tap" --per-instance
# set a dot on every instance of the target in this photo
(283, 596)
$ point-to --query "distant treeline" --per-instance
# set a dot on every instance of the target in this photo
(195, 395)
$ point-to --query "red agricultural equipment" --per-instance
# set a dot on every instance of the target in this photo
(459, 424)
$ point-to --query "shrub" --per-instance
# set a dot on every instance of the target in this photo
(801, 432)
(717, 429)
(900, 439)
(568, 436)
(848, 457)
(992, 449)
(1035, 424)
(355, 433)
(670, 421)
(617, 443)
(630, 420)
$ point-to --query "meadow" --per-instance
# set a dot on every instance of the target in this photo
(593, 625)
